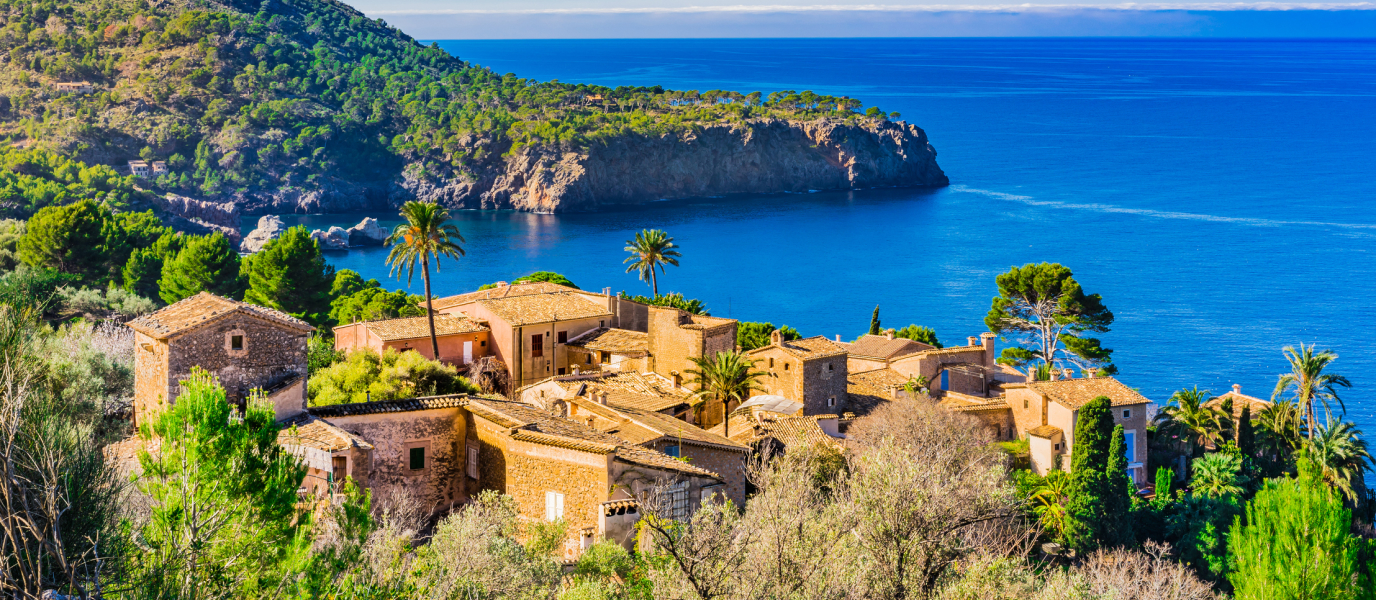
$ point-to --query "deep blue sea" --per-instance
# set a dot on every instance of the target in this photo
(1219, 194)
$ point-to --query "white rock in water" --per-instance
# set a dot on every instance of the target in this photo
(337, 238)
(367, 233)
(270, 227)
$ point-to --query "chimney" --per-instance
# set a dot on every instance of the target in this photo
(776, 338)
(602, 398)
(501, 284)
(607, 291)
(1237, 389)
(972, 341)
(888, 334)
(678, 379)
(987, 338)
(575, 369)
(838, 337)
(1055, 374)
(1089, 373)
(1069, 374)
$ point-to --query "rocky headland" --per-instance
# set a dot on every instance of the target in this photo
(762, 156)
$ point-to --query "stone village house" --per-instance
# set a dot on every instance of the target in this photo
(442, 450)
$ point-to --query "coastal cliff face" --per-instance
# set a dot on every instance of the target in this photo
(765, 156)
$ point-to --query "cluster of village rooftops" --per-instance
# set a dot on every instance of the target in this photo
(598, 411)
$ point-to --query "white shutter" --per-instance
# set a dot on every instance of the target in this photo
(559, 506)
(554, 506)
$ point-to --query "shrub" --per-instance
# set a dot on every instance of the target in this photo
(364, 376)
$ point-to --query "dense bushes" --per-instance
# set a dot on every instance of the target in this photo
(363, 376)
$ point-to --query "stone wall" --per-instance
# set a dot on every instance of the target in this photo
(151, 389)
(824, 386)
(727, 463)
(271, 354)
(1028, 409)
(998, 422)
(442, 432)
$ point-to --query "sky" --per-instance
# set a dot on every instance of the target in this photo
(596, 19)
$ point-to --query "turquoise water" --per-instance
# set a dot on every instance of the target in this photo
(1219, 194)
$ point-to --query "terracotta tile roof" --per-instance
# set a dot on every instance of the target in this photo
(204, 308)
(389, 406)
(313, 432)
(1074, 393)
(795, 432)
(647, 391)
(643, 426)
(419, 327)
(879, 346)
(543, 308)
(705, 322)
(973, 404)
(508, 291)
(881, 379)
(1045, 431)
(1240, 401)
(616, 341)
(807, 348)
(531, 424)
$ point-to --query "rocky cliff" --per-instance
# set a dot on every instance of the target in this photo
(763, 156)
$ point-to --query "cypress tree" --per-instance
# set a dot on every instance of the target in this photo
(290, 275)
(1246, 435)
(1164, 478)
(1117, 524)
(207, 264)
(1227, 429)
(874, 321)
(1086, 508)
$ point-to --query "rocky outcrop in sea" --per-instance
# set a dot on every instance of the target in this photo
(761, 156)
(269, 228)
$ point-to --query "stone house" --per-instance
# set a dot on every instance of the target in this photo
(247, 347)
(140, 168)
(1046, 412)
(871, 352)
(542, 330)
(866, 391)
(607, 348)
(768, 431)
(664, 433)
(642, 391)
(970, 369)
(812, 371)
(461, 339)
(76, 87)
(556, 468)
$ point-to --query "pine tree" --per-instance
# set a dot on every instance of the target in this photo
(144, 267)
(290, 275)
(76, 238)
(1296, 543)
(1117, 525)
(207, 264)
(1086, 509)
(874, 321)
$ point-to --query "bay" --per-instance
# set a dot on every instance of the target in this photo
(1217, 193)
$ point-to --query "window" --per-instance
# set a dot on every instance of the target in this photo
(417, 458)
(945, 380)
(589, 358)
(483, 343)
(1130, 451)
(677, 494)
(339, 467)
(472, 460)
(563, 337)
(236, 342)
(606, 357)
(831, 401)
(554, 506)
(1127, 413)
(1025, 404)
(830, 367)
(673, 451)
(537, 346)
(771, 362)
(561, 370)
(785, 366)
(1058, 447)
(601, 323)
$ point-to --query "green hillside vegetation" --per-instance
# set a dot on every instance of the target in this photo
(248, 96)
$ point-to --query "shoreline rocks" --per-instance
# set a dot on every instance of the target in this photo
(337, 238)
(367, 233)
(269, 228)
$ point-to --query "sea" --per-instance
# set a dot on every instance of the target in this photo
(1219, 194)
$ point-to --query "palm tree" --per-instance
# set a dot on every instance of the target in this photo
(1341, 456)
(725, 376)
(1187, 415)
(1282, 428)
(1050, 502)
(426, 234)
(1218, 474)
(1309, 383)
(651, 248)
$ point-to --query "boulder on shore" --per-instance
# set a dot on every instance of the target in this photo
(269, 228)
(367, 233)
(337, 238)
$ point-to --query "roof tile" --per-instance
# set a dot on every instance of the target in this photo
(204, 308)
(408, 328)
(1074, 393)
